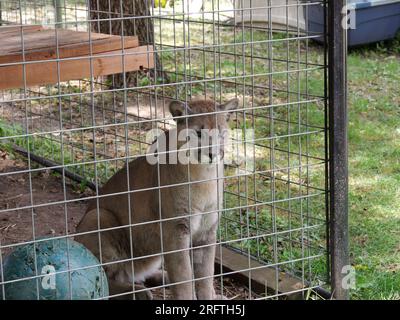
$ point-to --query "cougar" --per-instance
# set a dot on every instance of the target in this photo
(150, 213)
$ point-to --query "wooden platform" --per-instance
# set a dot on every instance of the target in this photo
(108, 54)
(262, 277)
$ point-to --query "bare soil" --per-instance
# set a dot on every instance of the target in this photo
(41, 211)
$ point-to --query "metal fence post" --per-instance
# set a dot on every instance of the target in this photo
(338, 153)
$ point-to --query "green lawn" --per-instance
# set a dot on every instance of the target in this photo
(374, 145)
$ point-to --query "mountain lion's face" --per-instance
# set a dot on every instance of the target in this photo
(204, 123)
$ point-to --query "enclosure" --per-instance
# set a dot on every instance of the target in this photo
(76, 107)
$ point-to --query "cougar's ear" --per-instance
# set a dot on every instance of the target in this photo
(179, 109)
(229, 106)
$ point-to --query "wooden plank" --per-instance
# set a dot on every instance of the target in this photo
(42, 73)
(16, 30)
(263, 278)
(47, 38)
(42, 45)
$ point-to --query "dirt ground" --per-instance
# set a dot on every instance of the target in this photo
(51, 217)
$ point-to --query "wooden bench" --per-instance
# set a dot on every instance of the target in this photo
(31, 55)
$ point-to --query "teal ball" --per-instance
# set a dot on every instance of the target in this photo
(65, 268)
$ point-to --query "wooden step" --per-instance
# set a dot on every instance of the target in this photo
(42, 50)
(16, 30)
(43, 44)
(42, 73)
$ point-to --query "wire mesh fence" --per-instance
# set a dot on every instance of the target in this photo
(62, 140)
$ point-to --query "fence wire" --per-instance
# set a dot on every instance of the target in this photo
(61, 142)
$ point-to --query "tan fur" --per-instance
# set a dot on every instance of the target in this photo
(183, 205)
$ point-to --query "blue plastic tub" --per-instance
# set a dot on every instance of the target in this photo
(376, 20)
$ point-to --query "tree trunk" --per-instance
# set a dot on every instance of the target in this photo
(143, 28)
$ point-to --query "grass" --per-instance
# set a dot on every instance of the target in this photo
(374, 145)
